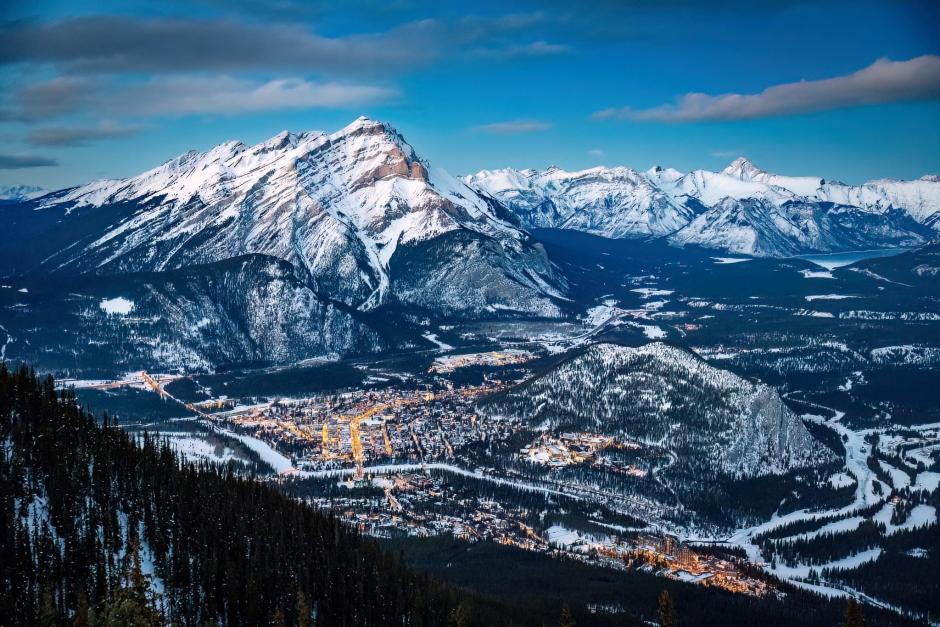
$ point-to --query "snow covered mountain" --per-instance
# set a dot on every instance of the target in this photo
(741, 209)
(248, 310)
(15, 193)
(665, 394)
(760, 227)
(349, 209)
(613, 202)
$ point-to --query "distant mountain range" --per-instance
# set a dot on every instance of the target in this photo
(741, 209)
(18, 193)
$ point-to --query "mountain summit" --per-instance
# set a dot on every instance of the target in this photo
(358, 212)
(743, 169)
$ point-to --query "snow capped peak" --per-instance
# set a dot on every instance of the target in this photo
(659, 174)
(337, 206)
(20, 192)
(282, 140)
(743, 169)
(615, 202)
(740, 209)
(361, 124)
(930, 178)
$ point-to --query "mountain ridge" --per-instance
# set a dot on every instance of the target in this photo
(884, 213)
(338, 206)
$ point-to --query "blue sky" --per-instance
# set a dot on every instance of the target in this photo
(846, 90)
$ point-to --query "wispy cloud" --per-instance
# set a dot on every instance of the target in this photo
(108, 43)
(724, 154)
(883, 81)
(514, 127)
(21, 162)
(532, 49)
(121, 65)
(79, 135)
(124, 44)
(596, 152)
(183, 95)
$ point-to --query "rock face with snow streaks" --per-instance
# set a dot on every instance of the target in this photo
(336, 206)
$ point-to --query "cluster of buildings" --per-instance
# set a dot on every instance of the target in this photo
(366, 427)
(391, 426)
(570, 449)
(567, 449)
(505, 357)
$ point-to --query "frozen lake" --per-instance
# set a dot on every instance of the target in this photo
(837, 260)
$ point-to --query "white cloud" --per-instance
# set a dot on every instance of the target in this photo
(881, 82)
(227, 95)
(595, 152)
(184, 95)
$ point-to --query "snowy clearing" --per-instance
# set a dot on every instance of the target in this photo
(119, 306)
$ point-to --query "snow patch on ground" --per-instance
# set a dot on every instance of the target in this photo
(899, 478)
(653, 332)
(927, 481)
(264, 450)
(649, 292)
(432, 337)
(814, 274)
(119, 306)
(841, 480)
(813, 297)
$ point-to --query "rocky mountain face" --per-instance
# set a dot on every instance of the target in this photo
(336, 206)
(247, 310)
(615, 202)
(659, 393)
(266, 252)
(741, 209)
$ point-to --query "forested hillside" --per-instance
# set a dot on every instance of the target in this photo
(98, 529)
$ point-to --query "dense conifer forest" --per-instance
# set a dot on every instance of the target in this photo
(98, 528)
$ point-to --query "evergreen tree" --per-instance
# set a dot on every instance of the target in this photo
(460, 616)
(48, 617)
(303, 610)
(666, 614)
(853, 614)
(82, 616)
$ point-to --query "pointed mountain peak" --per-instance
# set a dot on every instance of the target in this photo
(283, 139)
(742, 168)
(362, 124)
